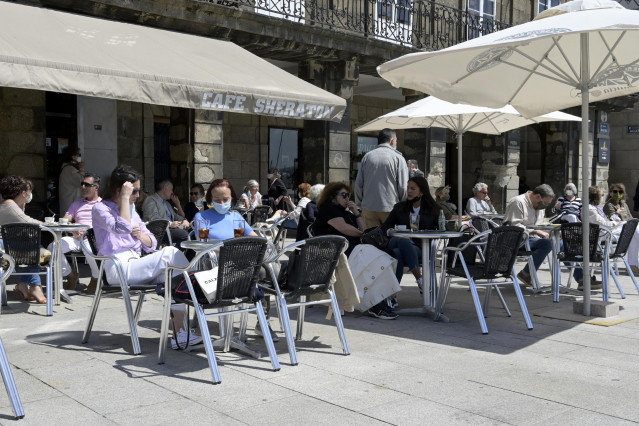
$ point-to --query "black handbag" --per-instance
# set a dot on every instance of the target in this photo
(375, 237)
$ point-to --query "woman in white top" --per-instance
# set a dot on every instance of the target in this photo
(251, 196)
(304, 192)
(597, 216)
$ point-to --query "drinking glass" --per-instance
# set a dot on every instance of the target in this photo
(203, 229)
(238, 228)
(414, 222)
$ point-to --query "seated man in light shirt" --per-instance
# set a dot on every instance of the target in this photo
(529, 209)
(157, 206)
(480, 203)
(80, 212)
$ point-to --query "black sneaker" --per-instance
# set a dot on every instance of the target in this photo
(378, 311)
(392, 302)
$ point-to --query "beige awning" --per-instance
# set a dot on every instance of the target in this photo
(61, 52)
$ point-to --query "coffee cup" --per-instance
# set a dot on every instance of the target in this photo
(49, 219)
(64, 221)
(401, 227)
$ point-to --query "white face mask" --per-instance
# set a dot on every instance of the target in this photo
(222, 208)
(78, 159)
(30, 198)
(569, 192)
(199, 202)
(269, 176)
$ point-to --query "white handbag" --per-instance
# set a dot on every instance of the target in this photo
(207, 280)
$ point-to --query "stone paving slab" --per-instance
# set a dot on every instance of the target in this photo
(407, 371)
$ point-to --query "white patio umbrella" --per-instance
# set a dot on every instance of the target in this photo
(460, 118)
(569, 53)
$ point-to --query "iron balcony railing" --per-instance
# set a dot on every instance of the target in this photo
(421, 24)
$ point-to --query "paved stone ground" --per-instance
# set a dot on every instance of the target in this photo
(408, 371)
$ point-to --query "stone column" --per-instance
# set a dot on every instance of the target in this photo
(208, 137)
(325, 155)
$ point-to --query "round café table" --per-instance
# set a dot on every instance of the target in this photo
(57, 230)
(429, 246)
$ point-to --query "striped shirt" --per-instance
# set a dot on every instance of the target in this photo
(569, 206)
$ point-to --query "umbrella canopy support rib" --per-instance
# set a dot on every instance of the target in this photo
(537, 63)
(486, 64)
(609, 54)
(575, 74)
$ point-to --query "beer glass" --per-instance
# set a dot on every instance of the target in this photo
(203, 230)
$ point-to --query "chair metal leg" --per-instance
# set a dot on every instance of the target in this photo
(10, 384)
(616, 280)
(75, 264)
(339, 323)
(228, 328)
(267, 337)
(208, 344)
(480, 312)
(164, 328)
(300, 318)
(625, 262)
(522, 302)
(288, 330)
(131, 317)
(243, 324)
(93, 311)
(502, 300)
(138, 306)
(50, 290)
(441, 297)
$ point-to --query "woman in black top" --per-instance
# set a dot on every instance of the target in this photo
(277, 198)
(419, 202)
(338, 215)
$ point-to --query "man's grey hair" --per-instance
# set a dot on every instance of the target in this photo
(412, 163)
(316, 190)
(159, 186)
(544, 190)
(572, 186)
(96, 178)
(478, 187)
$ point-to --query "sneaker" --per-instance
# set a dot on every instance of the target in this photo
(378, 311)
(524, 278)
(392, 302)
(258, 331)
(182, 342)
(420, 284)
(595, 284)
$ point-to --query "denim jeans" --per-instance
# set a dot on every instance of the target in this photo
(32, 280)
(541, 247)
(407, 254)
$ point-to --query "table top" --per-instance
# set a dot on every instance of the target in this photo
(426, 234)
(69, 227)
(199, 245)
(545, 227)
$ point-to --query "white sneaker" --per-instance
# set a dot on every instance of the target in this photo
(258, 331)
(182, 343)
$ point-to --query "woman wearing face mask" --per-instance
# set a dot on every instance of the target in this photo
(71, 176)
(16, 193)
(197, 202)
(442, 197)
(616, 207)
(119, 232)
(569, 204)
(221, 196)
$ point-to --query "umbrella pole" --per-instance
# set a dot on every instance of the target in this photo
(460, 208)
(585, 170)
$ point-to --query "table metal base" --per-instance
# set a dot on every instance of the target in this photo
(237, 344)
(423, 311)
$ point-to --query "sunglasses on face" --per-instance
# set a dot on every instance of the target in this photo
(617, 191)
(87, 185)
(344, 194)
(135, 192)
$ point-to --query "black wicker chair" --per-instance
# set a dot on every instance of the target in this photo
(160, 230)
(308, 274)
(599, 245)
(621, 249)
(260, 214)
(239, 263)
(496, 268)
(22, 242)
(89, 247)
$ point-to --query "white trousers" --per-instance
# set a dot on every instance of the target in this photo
(147, 269)
(68, 244)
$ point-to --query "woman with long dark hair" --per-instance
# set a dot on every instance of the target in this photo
(418, 203)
